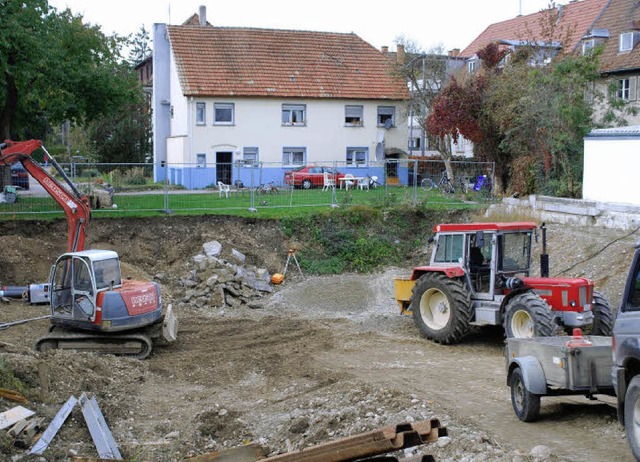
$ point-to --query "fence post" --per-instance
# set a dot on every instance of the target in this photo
(165, 164)
(334, 196)
(415, 181)
(252, 207)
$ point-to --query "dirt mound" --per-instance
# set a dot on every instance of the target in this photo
(319, 359)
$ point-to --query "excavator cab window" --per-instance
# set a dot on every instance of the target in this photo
(107, 273)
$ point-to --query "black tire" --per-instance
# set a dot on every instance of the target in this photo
(427, 184)
(525, 404)
(527, 315)
(602, 316)
(632, 416)
(306, 184)
(441, 308)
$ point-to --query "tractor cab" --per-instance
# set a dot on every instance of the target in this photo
(76, 280)
(489, 254)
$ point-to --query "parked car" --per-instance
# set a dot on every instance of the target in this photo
(19, 176)
(625, 373)
(310, 176)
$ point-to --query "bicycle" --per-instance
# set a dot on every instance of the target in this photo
(268, 188)
(445, 184)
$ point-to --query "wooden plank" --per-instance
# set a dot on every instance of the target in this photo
(381, 441)
(12, 395)
(54, 426)
(14, 415)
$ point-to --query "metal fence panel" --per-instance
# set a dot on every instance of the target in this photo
(252, 186)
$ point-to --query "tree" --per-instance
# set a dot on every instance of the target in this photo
(124, 136)
(140, 46)
(426, 73)
(54, 68)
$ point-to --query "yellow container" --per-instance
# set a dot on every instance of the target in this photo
(403, 287)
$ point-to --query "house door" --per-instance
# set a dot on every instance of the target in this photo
(392, 169)
(223, 166)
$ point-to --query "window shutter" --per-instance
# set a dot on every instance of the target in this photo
(632, 88)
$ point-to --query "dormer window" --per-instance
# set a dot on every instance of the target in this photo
(628, 40)
(588, 46)
(472, 66)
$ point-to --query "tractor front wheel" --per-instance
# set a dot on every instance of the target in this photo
(441, 308)
(527, 315)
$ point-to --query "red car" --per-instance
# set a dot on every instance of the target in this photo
(310, 176)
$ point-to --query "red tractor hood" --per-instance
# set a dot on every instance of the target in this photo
(557, 282)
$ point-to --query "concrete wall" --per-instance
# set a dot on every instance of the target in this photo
(578, 212)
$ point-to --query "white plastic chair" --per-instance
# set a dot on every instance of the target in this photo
(223, 188)
(329, 181)
(348, 182)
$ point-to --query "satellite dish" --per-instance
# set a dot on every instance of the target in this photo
(388, 124)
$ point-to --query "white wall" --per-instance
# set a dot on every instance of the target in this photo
(258, 124)
(611, 167)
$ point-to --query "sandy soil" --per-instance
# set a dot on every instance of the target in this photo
(322, 358)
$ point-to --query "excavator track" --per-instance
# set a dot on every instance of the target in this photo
(133, 345)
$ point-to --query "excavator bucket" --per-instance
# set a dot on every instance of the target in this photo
(170, 326)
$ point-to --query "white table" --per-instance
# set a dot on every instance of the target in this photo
(354, 181)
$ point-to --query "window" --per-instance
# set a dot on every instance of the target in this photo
(223, 113)
(587, 47)
(294, 156)
(250, 156)
(472, 66)
(628, 40)
(623, 89)
(357, 156)
(386, 116)
(201, 113)
(449, 248)
(414, 143)
(201, 160)
(633, 302)
(294, 114)
(353, 116)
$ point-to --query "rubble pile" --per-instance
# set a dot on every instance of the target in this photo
(214, 281)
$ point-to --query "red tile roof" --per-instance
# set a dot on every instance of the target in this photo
(619, 17)
(225, 61)
(576, 18)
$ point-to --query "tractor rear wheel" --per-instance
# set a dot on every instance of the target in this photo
(441, 308)
(602, 316)
(527, 315)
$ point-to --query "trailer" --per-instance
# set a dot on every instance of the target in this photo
(556, 366)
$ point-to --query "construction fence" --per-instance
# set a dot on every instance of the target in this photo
(117, 188)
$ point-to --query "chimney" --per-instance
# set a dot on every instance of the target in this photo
(400, 54)
(203, 15)
(384, 50)
(454, 53)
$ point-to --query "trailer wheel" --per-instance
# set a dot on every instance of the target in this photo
(632, 415)
(441, 308)
(525, 404)
(527, 315)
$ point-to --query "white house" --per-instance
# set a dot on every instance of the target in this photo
(227, 99)
(610, 156)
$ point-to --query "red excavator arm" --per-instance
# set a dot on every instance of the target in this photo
(75, 204)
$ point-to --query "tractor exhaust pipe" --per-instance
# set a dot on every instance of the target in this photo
(544, 256)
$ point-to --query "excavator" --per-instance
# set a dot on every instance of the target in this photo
(92, 307)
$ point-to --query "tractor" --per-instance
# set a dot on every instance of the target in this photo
(479, 275)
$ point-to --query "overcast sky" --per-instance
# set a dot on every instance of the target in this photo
(450, 23)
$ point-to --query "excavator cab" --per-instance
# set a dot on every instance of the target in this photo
(76, 280)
